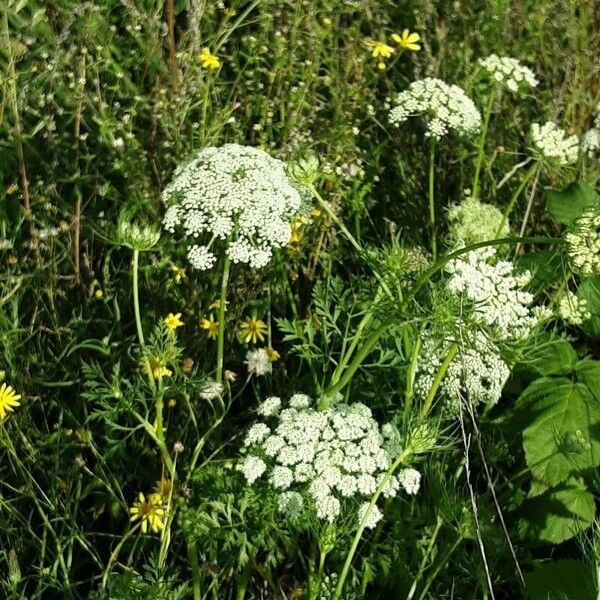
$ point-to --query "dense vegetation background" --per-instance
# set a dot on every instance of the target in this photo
(99, 102)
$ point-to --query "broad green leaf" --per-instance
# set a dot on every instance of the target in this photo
(561, 580)
(567, 205)
(588, 372)
(556, 357)
(589, 289)
(561, 425)
(557, 515)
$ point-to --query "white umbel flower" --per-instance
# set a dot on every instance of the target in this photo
(329, 457)
(446, 108)
(573, 309)
(235, 196)
(590, 142)
(509, 72)
(495, 290)
(583, 243)
(477, 372)
(374, 516)
(410, 480)
(551, 143)
(271, 406)
(252, 467)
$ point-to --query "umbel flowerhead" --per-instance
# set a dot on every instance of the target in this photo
(136, 236)
(329, 461)
(446, 108)
(236, 200)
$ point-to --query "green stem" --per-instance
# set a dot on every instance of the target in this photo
(432, 199)
(354, 365)
(413, 587)
(438, 379)
(196, 579)
(410, 378)
(220, 340)
(530, 173)
(138, 319)
(115, 554)
(482, 138)
(350, 556)
(327, 208)
(442, 563)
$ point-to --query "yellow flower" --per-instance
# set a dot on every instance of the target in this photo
(380, 49)
(157, 369)
(326, 21)
(216, 305)
(98, 294)
(150, 512)
(297, 235)
(9, 399)
(407, 40)
(252, 329)
(272, 354)
(172, 322)
(172, 403)
(315, 213)
(210, 326)
(209, 61)
(381, 66)
(179, 273)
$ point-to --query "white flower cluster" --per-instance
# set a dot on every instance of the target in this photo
(237, 194)
(258, 362)
(496, 292)
(446, 107)
(477, 372)
(573, 309)
(552, 143)
(590, 140)
(509, 72)
(584, 243)
(330, 457)
(472, 221)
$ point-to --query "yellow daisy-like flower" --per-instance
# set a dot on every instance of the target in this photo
(380, 49)
(210, 326)
(216, 305)
(179, 273)
(252, 329)
(172, 322)
(150, 512)
(381, 66)
(407, 40)
(98, 294)
(9, 400)
(209, 60)
(326, 21)
(272, 354)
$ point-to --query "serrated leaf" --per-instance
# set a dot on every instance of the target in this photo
(588, 372)
(567, 205)
(556, 357)
(561, 423)
(558, 515)
(561, 580)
